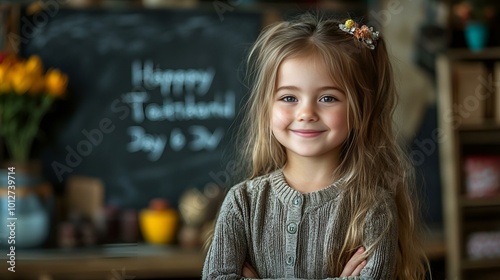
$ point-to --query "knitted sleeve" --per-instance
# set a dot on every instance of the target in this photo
(382, 228)
(226, 255)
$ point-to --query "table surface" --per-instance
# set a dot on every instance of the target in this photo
(120, 261)
(129, 261)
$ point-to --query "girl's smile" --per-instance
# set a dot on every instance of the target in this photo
(307, 133)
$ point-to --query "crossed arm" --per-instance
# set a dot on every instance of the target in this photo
(352, 268)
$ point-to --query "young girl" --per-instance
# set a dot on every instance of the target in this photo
(328, 191)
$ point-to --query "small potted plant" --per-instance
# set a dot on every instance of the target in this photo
(474, 17)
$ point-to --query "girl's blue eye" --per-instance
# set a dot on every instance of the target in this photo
(328, 99)
(289, 99)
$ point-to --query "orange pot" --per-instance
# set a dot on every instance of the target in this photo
(158, 226)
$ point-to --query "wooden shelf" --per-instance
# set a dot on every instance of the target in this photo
(481, 264)
(482, 134)
(481, 202)
(489, 126)
(467, 54)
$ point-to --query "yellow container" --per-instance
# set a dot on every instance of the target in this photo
(158, 226)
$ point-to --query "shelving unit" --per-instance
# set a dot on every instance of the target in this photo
(461, 137)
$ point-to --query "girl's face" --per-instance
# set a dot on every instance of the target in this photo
(309, 112)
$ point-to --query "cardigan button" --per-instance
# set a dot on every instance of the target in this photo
(297, 201)
(290, 260)
(292, 228)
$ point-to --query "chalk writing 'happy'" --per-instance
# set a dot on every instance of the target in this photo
(172, 81)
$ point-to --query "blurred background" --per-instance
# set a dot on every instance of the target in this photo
(118, 118)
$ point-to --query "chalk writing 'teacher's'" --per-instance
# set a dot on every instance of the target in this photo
(221, 107)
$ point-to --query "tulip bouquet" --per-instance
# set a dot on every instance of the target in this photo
(26, 93)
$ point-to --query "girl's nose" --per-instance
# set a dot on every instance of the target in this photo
(307, 113)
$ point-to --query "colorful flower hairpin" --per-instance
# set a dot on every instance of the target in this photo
(363, 33)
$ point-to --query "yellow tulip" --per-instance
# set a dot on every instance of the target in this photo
(34, 65)
(56, 82)
(19, 79)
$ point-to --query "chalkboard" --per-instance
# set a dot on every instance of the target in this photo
(154, 97)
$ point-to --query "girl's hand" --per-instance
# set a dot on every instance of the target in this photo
(249, 271)
(355, 264)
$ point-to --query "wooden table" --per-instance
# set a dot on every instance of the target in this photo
(118, 262)
(132, 261)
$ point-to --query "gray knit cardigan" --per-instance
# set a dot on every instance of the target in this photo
(285, 234)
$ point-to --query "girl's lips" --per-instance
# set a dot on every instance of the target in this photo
(307, 133)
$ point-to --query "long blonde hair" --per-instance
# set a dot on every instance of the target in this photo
(370, 156)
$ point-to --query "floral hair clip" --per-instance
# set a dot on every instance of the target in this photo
(363, 33)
